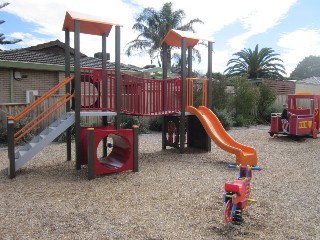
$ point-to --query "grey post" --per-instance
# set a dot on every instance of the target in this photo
(135, 148)
(183, 95)
(68, 86)
(118, 77)
(77, 91)
(90, 147)
(11, 154)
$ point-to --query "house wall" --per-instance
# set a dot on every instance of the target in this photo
(312, 88)
(4, 85)
(34, 80)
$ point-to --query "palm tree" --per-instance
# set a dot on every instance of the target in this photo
(153, 26)
(2, 37)
(256, 64)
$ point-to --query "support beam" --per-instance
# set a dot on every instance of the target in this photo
(189, 62)
(164, 61)
(104, 88)
(164, 76)
(118, 77)
(11, 148)
(77, 81)
(210, 50)
(135, 148)
(104, 75)
(90, 147)
(68, 90)
(183, 95)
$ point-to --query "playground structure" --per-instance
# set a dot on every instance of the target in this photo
(187, 119)
(237, 194)
(303, 116)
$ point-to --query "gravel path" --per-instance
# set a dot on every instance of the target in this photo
(173, 196)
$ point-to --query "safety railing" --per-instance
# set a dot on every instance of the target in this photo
(94, 94)
(30, 118)
(138, 96)
(196, 92)
(150, 97)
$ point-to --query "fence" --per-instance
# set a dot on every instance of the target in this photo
(9, 109)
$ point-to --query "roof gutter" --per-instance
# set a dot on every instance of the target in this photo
(33, 66)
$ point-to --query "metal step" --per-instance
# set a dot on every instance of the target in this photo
(28, 151)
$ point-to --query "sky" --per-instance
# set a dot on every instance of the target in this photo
(290, 27)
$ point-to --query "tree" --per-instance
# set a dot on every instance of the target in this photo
(266, 98)
(262, 63)
(220, 96)
(245, 100)
(308, 67)
(3, 40)
(99, 55)
(153, 26)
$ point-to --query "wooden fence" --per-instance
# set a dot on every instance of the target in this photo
(9, 109)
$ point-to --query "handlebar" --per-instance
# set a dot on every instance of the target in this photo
(237, 167)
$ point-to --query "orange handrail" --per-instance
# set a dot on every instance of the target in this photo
(190, 91)
(33, 123)
(42, 98)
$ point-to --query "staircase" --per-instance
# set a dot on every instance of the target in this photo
(31, 117)
(29, 150)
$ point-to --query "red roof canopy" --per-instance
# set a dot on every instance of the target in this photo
(88, 24)
(173, 38)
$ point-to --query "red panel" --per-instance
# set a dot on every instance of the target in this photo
(121, 157)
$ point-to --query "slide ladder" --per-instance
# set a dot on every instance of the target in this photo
(245, 155)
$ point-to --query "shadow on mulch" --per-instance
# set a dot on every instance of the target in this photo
(289, 138)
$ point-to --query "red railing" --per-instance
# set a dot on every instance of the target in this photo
(150, 97)
(92, 90)
(139, 96)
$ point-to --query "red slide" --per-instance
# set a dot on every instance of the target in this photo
(245, 155)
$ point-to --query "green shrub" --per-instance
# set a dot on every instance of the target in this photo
(245, 98)
(155, 124)
(220, 97)
(127, 121)
(63, 137)
(244, 121)
(225, 118)
(265, 100)
(273, 108)
(3, 136)
(26, 138)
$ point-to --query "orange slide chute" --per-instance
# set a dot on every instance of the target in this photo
(245, 155)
